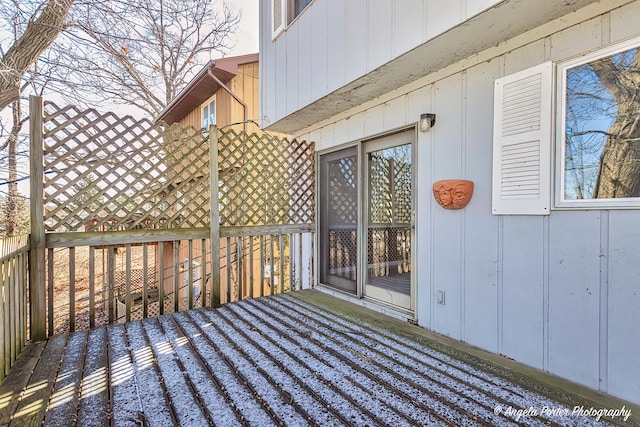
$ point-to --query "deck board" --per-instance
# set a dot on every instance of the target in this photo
(66, 390)
(94, 393)
(280, 360)
(34, 397)
(18, 379)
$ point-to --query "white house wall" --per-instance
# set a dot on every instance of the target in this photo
(378, 31)
(332, 44)
(559, 292)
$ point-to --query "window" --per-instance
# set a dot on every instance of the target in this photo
(598, 151)
(284, 12)
(209, 113)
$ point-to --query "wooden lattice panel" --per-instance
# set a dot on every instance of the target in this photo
(343, 208)
(265, 180)
(390, 188)
(104, 172)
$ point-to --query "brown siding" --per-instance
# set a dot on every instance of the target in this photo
(245, 86)
(194, 118)
(228, 110)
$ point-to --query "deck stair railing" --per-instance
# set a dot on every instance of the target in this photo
(132, 219)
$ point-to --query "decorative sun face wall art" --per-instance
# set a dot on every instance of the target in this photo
(453, 193)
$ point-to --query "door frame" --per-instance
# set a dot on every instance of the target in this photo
(380, 142)
(359, 144)
(340, 284)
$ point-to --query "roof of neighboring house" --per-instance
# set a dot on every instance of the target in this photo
(202, 86)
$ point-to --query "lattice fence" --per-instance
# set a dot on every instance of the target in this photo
(103, 172)
(390, 187)
(265, 180)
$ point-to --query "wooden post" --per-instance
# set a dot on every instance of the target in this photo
(214, 216)
(36, 253)
(111, 284)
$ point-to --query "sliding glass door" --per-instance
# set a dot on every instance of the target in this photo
(338, 219)
(388, 219)
(365, 240)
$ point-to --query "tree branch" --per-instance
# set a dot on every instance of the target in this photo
(37, 37)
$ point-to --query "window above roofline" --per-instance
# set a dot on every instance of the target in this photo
(284, 13)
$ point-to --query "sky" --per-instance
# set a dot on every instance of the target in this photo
(247, 35)
(246, 42)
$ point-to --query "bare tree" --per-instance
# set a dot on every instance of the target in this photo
(602, 125)
(11, 207)
(33, 27)
(43, 27)
(20, 218)
(141, 53)
(619, 169)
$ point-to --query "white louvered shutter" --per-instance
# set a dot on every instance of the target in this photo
(522, 142)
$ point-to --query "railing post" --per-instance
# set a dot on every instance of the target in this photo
(214, 216)
(36, 253)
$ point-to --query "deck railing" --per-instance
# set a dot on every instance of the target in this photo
(13, 299)
(131, 219)
(95, 279)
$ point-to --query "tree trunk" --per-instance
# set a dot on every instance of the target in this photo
(39, 34)
(619, 168)
(11, 214)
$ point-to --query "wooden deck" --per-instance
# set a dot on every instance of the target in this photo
(282, 360)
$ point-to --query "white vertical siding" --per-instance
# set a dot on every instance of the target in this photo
(336, 40)
(374, 120)
(408, 23)
(618, 22)
(293, 64)
(574, 295)
(622, 334)
(332, 53)
(559, 293)
(421, 101)
(305, 61)
(563, 44)
(440, 19)
(379, 32)
(356, 39)
(267, 98)
(480, 325)
(283, 82)
(356, 127)
(476, 6)
(526, 57)
(320, 27)
(522, 289)
(447, 224)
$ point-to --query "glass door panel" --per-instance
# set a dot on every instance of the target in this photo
(388, 225)
(338, 219)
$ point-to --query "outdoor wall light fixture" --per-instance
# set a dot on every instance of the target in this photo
(427, 120)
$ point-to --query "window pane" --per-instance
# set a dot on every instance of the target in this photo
(339, 219)
(602, 136)
(212, 112)
(299, 6)
(277, 14)
(209, 114)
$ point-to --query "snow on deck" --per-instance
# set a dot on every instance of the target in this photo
(264, 362)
